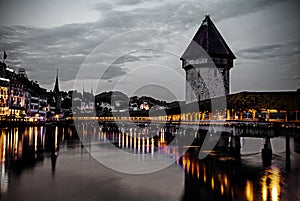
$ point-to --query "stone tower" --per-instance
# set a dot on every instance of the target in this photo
(207, 62)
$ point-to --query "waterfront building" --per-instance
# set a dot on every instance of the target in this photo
(16, 96)
(4, 83)
(19, 96)
(35, 96)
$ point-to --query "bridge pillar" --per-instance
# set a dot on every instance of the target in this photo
(235, 146)
(238, 146)
(267, 152)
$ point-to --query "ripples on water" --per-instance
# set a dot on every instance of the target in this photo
(220, 176)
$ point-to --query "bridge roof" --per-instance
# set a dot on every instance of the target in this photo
(279, 100)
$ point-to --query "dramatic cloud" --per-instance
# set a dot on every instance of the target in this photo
(175, 15)
(41, 47)
(41, 51)
(269, 51)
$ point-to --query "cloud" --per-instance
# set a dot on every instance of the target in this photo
(269, 51)
(112, 72)
(144, 55)
(42, 50)
(175, 15)
(295, 77)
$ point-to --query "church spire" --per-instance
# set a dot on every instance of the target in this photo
(92, 89)
(82, 91)
(56, 87)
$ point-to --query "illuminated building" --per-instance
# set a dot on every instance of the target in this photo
(12, 93)
(35, 96)
(3, 96)
(144, 106)
(19, 96)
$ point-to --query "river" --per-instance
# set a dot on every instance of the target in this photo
(53, 163)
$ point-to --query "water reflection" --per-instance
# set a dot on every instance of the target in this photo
(271, 182)
(249, 191)
(217, 177)
(229, 180)
(133, 140)
(24, 147)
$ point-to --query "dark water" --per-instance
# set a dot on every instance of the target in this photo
(51, 163)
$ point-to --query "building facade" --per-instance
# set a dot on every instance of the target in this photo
(12, 93)
(19, 96)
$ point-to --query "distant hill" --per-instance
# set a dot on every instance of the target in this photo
(151, 101)
(107, 97)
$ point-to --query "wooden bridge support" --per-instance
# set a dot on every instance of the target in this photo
(235, 146)
(266, 152)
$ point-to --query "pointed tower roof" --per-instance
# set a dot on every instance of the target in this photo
(210, 39)
(56, 87)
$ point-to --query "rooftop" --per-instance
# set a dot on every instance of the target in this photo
(210, 39)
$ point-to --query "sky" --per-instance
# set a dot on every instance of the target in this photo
(134, 46)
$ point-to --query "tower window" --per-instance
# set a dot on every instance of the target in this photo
(215, 73)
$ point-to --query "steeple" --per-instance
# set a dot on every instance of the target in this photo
(57, 95)
(92, 89)
(83, 92)
(56, 87)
